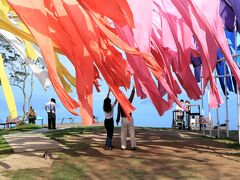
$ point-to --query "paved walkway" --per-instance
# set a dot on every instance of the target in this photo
(29, 148)
(32, 141)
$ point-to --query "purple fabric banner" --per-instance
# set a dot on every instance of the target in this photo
(229, 9)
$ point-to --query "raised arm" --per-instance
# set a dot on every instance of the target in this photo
(108, 93)
(115, 102)
(132, 95)
(118, 114)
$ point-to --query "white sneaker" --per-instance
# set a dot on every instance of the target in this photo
(123, 148)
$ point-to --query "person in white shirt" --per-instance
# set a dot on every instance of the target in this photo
(180, 112)
(178, 108)
(50, 107)
(108, 122)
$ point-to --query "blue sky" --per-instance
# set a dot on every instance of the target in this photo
(145, 114)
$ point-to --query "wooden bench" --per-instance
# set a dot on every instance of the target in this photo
(70, 119)
(38, 118)
(10, 121)
(95, 119)
(7, 124)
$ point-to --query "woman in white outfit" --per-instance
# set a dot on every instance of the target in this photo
(108, 122)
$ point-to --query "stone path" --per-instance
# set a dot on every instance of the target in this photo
(29, 148)
(24, 161)
(32, 141)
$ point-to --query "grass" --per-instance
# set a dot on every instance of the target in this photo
(83, 161)
(71, 170)
(134, 173)
(20, 128)
(26, 174)
(60, 134)
(152, 128)
(72, 165)
(5, 149)
(230, 143)
(184, 175)
(136, 161)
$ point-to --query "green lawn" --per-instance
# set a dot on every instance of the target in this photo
(74, 131)
(81, 161)
(70, 166)
(5, 149)
(19, 128)
(86, 159)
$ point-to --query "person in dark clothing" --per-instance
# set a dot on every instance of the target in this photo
(126, 125)
(50, 107)
(31, 115)
(188, 111)
(108, 122)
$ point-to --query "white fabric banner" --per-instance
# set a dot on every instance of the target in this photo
(40, 73)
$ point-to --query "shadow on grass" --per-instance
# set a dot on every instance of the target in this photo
(74, 131)
(160, 154)
(5, 149)
(147, 136)
(26, 174)
(148, 140)
(19, 128)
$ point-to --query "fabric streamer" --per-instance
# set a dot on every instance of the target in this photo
(7, 91)
(162, 39)
(40, 73)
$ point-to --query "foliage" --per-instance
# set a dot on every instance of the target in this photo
(17, 69)
(5, 149)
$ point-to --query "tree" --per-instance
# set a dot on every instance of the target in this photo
(18, 71)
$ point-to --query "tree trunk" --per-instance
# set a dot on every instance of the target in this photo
(24, 105)
(31, 91)
(24, 98)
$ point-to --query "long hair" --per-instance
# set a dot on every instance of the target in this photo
(107, 105)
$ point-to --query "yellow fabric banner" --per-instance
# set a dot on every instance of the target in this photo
(4, 7)
(61, 75)
(30, 51)
(7, 91)
(65, 73)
